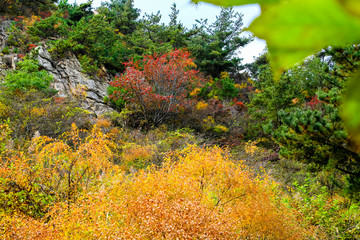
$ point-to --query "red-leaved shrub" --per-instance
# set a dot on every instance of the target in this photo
(159, 85)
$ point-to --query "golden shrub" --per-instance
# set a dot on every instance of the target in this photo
(198, 194)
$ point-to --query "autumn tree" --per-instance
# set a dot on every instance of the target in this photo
(159, 84)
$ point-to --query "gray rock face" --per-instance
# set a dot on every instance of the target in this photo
(3, 35)
(69, 79)
(72, 83)
(8, 60)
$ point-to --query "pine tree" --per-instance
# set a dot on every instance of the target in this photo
(215, 46)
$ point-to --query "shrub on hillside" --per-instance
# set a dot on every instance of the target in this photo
(159, 85)
(198, 194)
(34, 110)
(53, 170)
(28, 76)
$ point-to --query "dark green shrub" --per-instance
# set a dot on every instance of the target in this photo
(53, 26)
(117, 103)
(5, 50)
(28, 76)
(89, 65)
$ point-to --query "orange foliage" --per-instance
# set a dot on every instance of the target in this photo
(197, 194)
(54, 170)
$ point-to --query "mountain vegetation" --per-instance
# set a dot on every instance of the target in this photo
(197, 145)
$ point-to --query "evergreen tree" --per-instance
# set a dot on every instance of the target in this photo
(153, 36)
(122, 14)
(216, 45)
(301, 112)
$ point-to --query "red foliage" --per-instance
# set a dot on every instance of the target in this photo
(58, 100)
(239, 106)
(216, 108)
(45, 14)
(31, 46)
(159, 83)
(314, 102)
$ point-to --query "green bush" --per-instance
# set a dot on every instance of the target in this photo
(28, 76)
(53, 26)
(5, 50)
(334, 216)
(89, 65)
(117, 103)
(223, 88)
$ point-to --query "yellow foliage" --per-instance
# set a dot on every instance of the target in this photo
(257, 91)
(197, 194)
(5, 132)
(3, 110)
(103, 123)
(295, 101)
(57, 25)
(221, 129)
(36, 112)
(195, 92)
(136, 156)
(224, 75)
(241, 86)
(305, 93)
(201, 105)
(30, 21)
(58, 169)
(209, 122)
(251, 148)
(80, 91)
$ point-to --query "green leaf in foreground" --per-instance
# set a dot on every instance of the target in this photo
(298, 28)
(351, 106)
(352, 6)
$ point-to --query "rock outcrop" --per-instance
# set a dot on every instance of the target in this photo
(4, 25)
(69, 79)
(72, 83)
(3, 34)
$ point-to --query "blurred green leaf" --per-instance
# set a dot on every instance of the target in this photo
(298, 28)
(352, 6)
(351, 106)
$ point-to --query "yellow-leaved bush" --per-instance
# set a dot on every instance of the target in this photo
(198, 193)
(53, 170)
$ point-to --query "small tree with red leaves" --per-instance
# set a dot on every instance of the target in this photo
(159, 85)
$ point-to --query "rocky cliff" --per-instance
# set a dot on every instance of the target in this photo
(72, 83)
(69, 79)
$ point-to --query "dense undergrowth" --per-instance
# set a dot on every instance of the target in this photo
(196, 149)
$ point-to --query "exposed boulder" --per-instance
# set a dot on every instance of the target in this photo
(72, 83)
